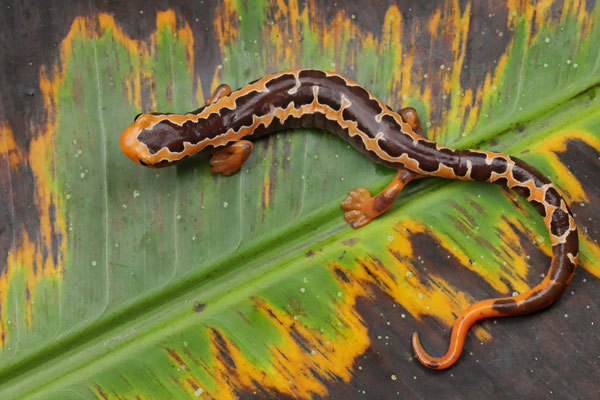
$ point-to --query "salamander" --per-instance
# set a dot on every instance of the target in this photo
(313, 98)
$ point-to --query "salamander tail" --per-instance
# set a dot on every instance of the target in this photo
(546, 198)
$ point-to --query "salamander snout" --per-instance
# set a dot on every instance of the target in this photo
(131, 146)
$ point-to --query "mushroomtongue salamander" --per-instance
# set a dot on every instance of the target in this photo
(313, 98)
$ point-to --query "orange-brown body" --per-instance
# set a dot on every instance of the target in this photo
(314, 98)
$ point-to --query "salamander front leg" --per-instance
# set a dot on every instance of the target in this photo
(361, 207)
(229, 159)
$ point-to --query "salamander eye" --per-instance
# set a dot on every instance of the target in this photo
(136, 117)
(143, 163)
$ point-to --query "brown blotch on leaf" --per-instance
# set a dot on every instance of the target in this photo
(173, 354)
(101, 392)
(341, 274)
(350, 242)
(224, 352)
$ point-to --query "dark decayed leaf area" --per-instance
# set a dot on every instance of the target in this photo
(120, 282)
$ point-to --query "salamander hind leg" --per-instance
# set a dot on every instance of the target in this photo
(229, 159)
(410, 116)
(361, 207)
(221, 91)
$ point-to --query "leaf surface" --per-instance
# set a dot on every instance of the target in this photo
(179, 283)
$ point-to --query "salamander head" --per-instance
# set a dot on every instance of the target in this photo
(138, 151)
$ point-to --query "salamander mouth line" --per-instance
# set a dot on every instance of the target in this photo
(313, 98)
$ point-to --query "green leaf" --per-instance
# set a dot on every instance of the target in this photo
(177, 283)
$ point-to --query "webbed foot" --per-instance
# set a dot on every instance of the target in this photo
(358, 207)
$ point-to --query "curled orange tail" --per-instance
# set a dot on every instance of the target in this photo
(480, 310)
(536, 298)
